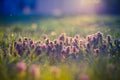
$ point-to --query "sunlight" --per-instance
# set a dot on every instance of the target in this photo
(90, 2)
(90, 6)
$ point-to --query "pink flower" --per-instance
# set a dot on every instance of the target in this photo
(75, 50)
(77, 36)
(34, 71)
(83, 77)
(21, 66)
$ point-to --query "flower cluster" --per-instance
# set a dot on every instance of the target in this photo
(65, 46)
(34, 70)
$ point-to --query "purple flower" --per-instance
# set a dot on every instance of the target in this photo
(33, 46)
(63, 52)
(100, 35)
(67, 41)
(108, 38)
(47, 41)
(31, 42)
(75, 50)
(68, 49)
(51, 44)
(88, 46)
(62, 37)
(96, 51)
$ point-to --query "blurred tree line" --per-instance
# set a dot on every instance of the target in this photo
(21, 6)
(112, 6)
(15, 6)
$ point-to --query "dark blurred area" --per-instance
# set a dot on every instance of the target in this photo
(112, 6)
(51, 7)
(16, 7)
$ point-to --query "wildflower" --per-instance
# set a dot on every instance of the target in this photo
(49, 49)
(62, 37)
(108, 38)
(67, 40)
(55, 41)
(63, 51)
(34, 72)
(75, 50)
(38, 50)
(25, 43)
(21, 66)
(47, 41)
(61, 46)
(57, 46)
(44, 36)
(88, 46)
(61, 43)
(33, 46)
(83, 77)
(54, 50)
(71, 39)
(25, 38)
(44, 47)
(104, 48)
(20, 39)
(99, 35)
(76, 40)
(39, 42)
(77, 36)
(31, 42)
(94, 40)
(89, 37)
(68, 49)
(51, 44)
(96, 51)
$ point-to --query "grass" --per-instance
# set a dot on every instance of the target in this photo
(85, 67)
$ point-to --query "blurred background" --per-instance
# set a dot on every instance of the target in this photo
(59, 7)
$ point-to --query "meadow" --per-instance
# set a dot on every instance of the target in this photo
(60, 48)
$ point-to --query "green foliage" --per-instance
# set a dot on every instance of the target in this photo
(100, 67)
